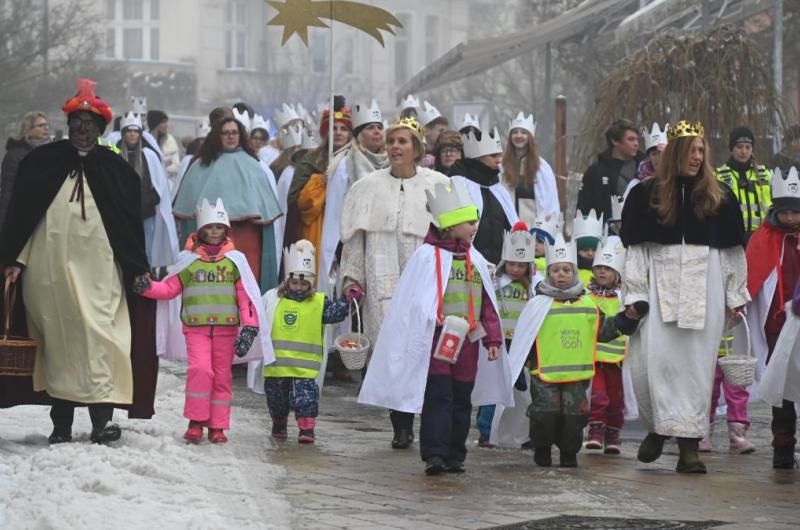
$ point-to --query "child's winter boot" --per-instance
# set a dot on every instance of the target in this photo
(435, 466)
(612, 442)
(651, 447)
(60, 435)
(543, 456)
(740, 444)
(568, 460)
(783, 458)
(483, 441)
(279, 429)
(306, 426)
(195, 432)
(216, 436)
(597, 432)
(689, 459)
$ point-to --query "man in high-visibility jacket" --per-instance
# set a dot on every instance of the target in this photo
(749, 181)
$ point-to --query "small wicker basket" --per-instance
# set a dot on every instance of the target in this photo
(17, 354)
(739, 370)
(353, 347)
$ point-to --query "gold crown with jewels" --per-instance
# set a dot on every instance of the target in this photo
(411, 124)
(683, 129)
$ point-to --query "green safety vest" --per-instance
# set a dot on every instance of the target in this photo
(725, 346)
(755, 202)
(511, 299)
(297, 338)
(109, 145)
(541, 266)
(565, 344)
(585, 275)
(209, 293)
(456, 295)
(610, 352)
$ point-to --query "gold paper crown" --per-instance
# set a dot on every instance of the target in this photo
(683, 129)
(411, 124)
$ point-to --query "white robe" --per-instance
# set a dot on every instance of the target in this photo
(398, 371)
(170, 340)
(336, 190)
(164, 251)
(282, 193)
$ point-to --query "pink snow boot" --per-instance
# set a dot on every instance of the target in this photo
(306, 426)
(597, 433)
(216, 436)
(194, 433)
(739, 443)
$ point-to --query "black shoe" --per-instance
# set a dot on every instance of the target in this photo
(402, 439)
(60, 435)
(543, 456)
(527, 446)
(102, 435)
(689, 459)
(435, 466)
(454, 467)
(568, 460)
(783, 458)
(651, 447)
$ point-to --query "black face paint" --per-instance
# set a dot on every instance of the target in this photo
(84, 130)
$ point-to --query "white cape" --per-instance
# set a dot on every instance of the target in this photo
(170, 341)
(186, 161)
(282, 193)
(781, 378)
(255, 369)
(500, 193)
(165, 237)
(398, 371)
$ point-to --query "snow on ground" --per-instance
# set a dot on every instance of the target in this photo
(150, 478)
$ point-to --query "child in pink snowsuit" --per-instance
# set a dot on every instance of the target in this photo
(214, 308)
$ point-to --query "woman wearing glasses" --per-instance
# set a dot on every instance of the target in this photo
(34, 131)
(229, 169)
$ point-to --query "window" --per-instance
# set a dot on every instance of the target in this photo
(431, 38)
(236, 34)
(133, 31)
(402, 50)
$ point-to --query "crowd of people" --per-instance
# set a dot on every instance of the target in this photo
(473, 290)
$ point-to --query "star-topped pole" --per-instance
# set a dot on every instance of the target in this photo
(296, 16)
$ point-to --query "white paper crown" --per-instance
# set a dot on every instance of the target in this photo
(611, 253)
(362, 115)
(310, 140)
(788, 187)
(410, 102)
(299, 260)
(427, 114)
(286, 115)
(519, 245)
(470, 121)
(550, 223)
(588, 226)
(447, 198)
(211, 213)
(138, 105)
(617, 203)
(523, 122)
(131, 119)
(259, 122)
(203, 128)
(291, 136)
(243, 118)
(487, 145)
(655, 137)
(561, 251)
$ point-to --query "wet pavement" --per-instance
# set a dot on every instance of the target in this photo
(351, 478)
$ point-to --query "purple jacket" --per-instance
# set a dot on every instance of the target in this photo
(796, 300)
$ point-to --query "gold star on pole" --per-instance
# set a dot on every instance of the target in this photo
(297, 15)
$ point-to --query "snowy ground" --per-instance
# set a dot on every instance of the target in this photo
(148, 479)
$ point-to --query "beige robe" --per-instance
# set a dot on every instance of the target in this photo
(75, 305)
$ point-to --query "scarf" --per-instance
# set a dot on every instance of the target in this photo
(361, 162)
(605, 292)
(560, 294)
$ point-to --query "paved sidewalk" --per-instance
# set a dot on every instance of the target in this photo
(351, 478)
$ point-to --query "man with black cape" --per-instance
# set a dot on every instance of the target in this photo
(74, 236)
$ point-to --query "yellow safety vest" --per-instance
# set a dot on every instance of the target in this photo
(566, 342)
(511, 299)
(585, 275)
(725, 346)
(297, 338)
(755, 199)
(456, 294)
(541, 266)
(610, 352)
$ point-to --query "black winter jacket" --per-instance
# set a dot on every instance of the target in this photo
(602, 180)
(16, 150)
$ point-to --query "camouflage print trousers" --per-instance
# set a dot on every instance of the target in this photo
(558, 414)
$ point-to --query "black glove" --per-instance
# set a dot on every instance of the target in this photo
(642, 308)
(520, 383)
(245, 339)
(141, 283)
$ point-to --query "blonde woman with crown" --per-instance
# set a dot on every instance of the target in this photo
(685, 257)
(384, 220)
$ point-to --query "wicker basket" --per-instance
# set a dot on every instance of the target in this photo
(739, 369)
(353, 357)
(17, 354)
